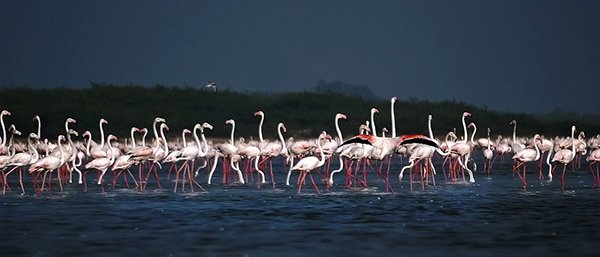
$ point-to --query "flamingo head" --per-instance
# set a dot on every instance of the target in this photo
(430, 117)
(14, 130)
(61, 138)
(512, 122)
(186, 131)
(34, 136)
(325, 136)
(70, 120)
(164, 126)
(5, 112)
(394, 99)
(341, 116)
(374, 110)
(87, 133)
(135, 129)
(111, 137)
(466, 114)
(230, 121)
(36, 117)
(73, 132)
(207, 125)
(143, 130)
(103, 121)
(471, 125)
(259, 113)
(159, 119)
(282, 127)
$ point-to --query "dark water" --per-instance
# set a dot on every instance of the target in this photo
(493, 217)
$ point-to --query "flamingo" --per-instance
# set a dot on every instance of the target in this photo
(227, 150)
(102, 164)
(18, 161)
(49, 163)
(462, 150)
(524, 156)
(339, 140)
(594, 159)
(545, 146)
(3, 147)
(124, 162)
(297, 148)
(309, 163)
(565, 156)
(516, 146)
(99, 151)
(488, 154)
(190, 153)
(425, 153)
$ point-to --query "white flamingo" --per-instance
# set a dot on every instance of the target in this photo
(309, 163)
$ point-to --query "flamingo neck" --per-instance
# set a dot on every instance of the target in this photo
(155, 132)
(473, 135)
(112, 153)
(260, 125)
(200, 153)
(39, 128)
(3, 139)
(144, 138)
(537, 149)
(101, 135)
(132, 139)
(60, 149)
(373, 130)
(231, 140)
(184, 139)
(572, 143)
(322, 160)
(35, 153)
(337, 129)
(89, 143)
(162, 135)
(283, 144)
(464, 128)
(515, 133)
(393, 114)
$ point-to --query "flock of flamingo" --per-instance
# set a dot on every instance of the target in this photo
(136, 161)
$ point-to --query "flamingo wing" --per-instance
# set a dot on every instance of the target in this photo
(360, 139)
(417, 139)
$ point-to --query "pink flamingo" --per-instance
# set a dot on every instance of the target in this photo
(3, 146)
(49, 163)
(102, 164)
(594, 160)
(190, 153)
(20, 160)
(524, 156)
(565, 156)
(423, 153)
(488, 155)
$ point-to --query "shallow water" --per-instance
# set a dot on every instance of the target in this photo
(493, 217)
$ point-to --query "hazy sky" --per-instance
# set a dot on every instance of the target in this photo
(528, 56)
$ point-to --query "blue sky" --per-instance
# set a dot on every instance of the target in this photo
(524, 56)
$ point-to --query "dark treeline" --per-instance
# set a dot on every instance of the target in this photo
(305, 114)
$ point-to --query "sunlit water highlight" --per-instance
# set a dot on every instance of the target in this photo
(493, 217)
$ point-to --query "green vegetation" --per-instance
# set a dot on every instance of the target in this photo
(305, 114)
